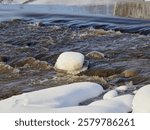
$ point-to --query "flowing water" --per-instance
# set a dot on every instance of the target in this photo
(32, 37)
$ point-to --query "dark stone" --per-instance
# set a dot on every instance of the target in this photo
(101, 72)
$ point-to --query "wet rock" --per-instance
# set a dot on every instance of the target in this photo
(32, 63)
(4, 68)
(40, 55)
(3, 58)
(129, 73)
(140, 79)
(99, 32)
(101, 72)
(94, 32)
(119, 81)
(112, 77)
(95, 55)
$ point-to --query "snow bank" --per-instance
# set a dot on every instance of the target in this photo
(119, 104)
(116, 104)
(57, 97)
(64, 99)
(70, 62)
(75, 109)
(110, 94)
(141, 101)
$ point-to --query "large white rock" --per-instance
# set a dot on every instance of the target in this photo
(141, 101)
(46, 99)
(70, 62)
(110, 94)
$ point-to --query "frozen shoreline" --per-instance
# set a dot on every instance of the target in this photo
(66, 98)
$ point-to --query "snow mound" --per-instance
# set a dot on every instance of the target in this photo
(110, 94)
(141, 101)
(74, 109)
(57, 97)
(117, 104)
(69, 62)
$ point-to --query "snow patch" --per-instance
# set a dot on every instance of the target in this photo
(117, 104)
(110, 94)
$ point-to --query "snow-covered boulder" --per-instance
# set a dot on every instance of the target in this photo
(110, 94)
(141, 101)
(120, 104)
(46, 99)
(70, 62)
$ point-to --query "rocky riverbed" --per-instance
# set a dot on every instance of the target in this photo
(28, 52)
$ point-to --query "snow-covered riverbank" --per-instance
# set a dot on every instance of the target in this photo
(67, 98)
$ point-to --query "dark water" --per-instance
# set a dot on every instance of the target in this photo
(31, 41)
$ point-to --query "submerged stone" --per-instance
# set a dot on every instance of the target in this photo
(30, 62)
(95, 55)
(129, 73)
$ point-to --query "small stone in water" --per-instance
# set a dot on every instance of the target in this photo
(129, 73)
(95, 55)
